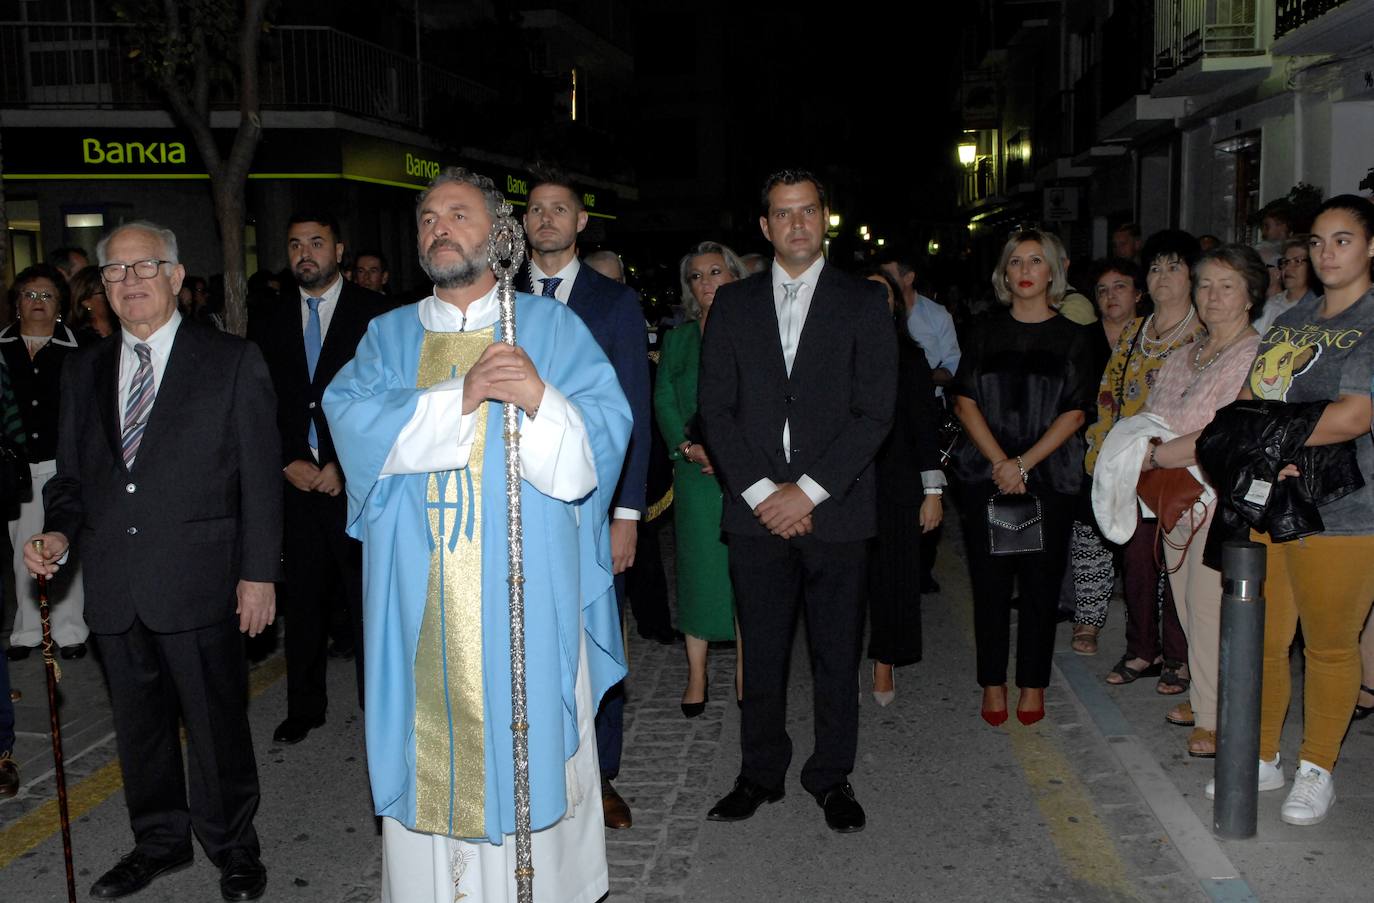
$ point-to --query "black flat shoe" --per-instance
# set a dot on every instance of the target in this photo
(693, 709)
(843, 814)
(133, 873)
(18, 653)
(75, 650)
(293, 730)
(242, 877)
(743, 801)
(1363, 711)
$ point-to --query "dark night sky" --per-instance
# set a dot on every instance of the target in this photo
(868, 101)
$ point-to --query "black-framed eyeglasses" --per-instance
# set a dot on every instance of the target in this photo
(1292, 261)
(143, 269)
(37, 296)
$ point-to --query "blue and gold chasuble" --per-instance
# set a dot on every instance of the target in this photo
(436, 616)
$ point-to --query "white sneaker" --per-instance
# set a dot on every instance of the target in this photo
(1314, 790)
(1270, 778)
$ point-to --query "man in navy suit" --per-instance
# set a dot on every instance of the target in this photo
(553, 219)
(798, 381)
(315, 331)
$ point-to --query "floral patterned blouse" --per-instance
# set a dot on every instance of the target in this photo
(1129, 376)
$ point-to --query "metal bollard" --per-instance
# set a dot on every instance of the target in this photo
(1241, 668)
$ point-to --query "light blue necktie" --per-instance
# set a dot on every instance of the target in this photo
(551, 286)
(312, 357)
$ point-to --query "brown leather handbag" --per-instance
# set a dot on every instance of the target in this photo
(1169, 493)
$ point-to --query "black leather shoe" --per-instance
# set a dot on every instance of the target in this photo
(343, 652)
(294, 730)
(743, 801)
(75, 650)
(843, 814)
(18, 653)
(242, 877)
(133, 873)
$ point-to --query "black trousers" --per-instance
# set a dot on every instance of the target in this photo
(647, 585)
(323, 573)
(198, 678)
(773, 579)
(1036, 577)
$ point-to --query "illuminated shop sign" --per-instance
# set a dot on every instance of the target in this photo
(62, 154)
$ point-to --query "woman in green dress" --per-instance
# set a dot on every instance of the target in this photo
(705, 603)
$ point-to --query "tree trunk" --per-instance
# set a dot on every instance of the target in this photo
(229, 213)
(4, 242)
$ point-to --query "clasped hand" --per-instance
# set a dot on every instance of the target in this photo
(1007, 476)
(503, 373)
(787, 512)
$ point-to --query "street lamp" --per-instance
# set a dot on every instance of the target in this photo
(834, 221)
(967, 154)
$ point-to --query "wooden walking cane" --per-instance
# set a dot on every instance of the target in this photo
(54, 674)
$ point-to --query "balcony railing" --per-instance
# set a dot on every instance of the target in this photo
(1291, 14)
(303, 67)
(1189, 30)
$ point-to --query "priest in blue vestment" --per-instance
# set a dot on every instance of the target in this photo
(417, 420)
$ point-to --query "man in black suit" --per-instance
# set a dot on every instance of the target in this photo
(167, 482)
(798, 381)
(554, 217)
(315, 331)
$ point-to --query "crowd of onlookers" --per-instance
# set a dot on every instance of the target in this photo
(1112, 433)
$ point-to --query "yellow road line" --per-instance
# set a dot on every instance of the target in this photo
(36, 826)
(1086, 849)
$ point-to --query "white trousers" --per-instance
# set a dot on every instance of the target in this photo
(66, 599)
(569, 857)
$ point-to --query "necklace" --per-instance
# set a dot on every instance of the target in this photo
(1158, 349)
(1199, 367)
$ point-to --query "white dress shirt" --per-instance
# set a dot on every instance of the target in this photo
(160, 348)
(328, 302)
(568, 274)
(791, 321)
(555, 455)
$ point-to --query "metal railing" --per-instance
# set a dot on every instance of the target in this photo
(1291, 14)
(1188, 30)
(303, 67)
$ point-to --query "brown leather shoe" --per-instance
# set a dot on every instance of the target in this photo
(614, 807)
(9, 775)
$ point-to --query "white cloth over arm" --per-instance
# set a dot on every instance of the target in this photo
(555, 456)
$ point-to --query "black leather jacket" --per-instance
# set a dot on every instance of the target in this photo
(1253, 440)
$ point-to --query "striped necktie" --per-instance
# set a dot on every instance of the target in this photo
(141, 395)
(551, 286)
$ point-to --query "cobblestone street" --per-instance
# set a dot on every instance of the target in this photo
(1096, 804)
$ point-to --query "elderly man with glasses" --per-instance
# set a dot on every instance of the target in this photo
(168, 483)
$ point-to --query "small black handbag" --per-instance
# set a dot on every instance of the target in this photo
(1015, 524)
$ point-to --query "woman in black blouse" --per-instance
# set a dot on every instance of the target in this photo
(1024, 383)
(34, 348)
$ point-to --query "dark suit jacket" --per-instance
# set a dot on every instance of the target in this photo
(838, 399)
(200, 510)
(912, 446)
(298, 397)
(613, 314)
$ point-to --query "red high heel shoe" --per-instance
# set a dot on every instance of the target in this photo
(1030, 716)
(996, 717)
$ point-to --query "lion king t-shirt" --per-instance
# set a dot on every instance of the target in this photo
(1303, 357)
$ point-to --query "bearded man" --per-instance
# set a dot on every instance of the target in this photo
(417, 420)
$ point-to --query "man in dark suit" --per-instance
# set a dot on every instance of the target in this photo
(168, 483)
(798, 381)
(315, 331)
(553, 219)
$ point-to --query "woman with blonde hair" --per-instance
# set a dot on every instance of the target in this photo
(1024, 383)
(705, 602)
